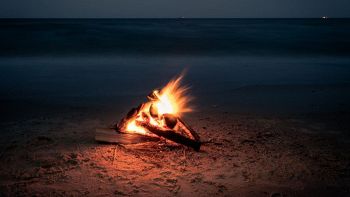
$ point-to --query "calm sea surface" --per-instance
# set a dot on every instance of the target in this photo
(240, 65)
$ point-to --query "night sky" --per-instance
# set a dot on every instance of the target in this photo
(174, 8)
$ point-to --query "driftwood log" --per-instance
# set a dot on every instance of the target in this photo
(171, 135)
(193, 133)
(110, 135)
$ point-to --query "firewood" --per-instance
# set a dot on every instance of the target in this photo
(153, 95)
(132, 113)
(153, 111)
(171, 135)
(193, 133)
(110, 135)
(170, 120)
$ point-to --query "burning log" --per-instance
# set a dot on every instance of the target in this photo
(171, 135)
(109, 135)
(158, 117)
(132, 113)
(153, 96)
(153, 111)
(170, 120)
(193, 133)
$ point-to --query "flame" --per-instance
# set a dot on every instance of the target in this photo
(171, 99)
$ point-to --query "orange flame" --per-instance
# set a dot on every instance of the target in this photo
(171, 99)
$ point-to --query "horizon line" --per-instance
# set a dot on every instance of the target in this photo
(320, 17)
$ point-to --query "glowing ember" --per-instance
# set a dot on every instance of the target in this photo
(170, 101)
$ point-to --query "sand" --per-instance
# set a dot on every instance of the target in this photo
(243, 155)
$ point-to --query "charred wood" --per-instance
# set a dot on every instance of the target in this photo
(171, 135)
(108, 135)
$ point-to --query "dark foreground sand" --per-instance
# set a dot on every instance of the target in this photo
(245, 155)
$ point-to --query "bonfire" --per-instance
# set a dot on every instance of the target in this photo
(158, 117)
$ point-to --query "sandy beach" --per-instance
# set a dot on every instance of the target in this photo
(242, 155)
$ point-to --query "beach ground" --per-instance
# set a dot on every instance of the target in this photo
(242, 155)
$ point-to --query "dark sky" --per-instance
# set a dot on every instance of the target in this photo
(173, 8)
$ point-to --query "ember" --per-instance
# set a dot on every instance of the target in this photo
(160, 116)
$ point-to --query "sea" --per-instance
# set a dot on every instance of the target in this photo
(254, 66)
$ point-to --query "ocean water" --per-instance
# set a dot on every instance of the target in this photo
(238, 65)
(69, 37)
